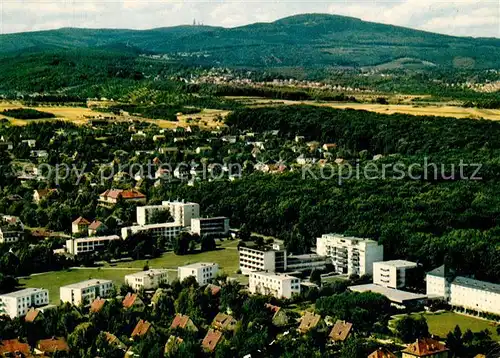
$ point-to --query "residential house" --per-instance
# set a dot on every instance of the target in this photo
(97, 227)
(172, 345)
(327, 147)
(32, 315)
(158, 137)
(426, 347)
(340, 331)
(11, 229)
(308, 321)
(131, 300)
(114, 341)
(49, 347)
(30, 142)
(141, 329)
(184, 322)
(80, 226)
(111, 196)
(224, 322)
(14, 348)
(211, 340)
(280, 318)
(382, 353)
(43, 194)
(203, 150)
(97, 305)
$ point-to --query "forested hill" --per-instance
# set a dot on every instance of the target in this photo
(312, 40)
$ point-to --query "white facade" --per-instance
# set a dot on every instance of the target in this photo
(261, 259)
(218, 226)
(11, 229)
(147, 280)
(88, 244)
(391, 274)
(350, 255)
(183, 212)
(166, 230)
(277, 285)
(86, 291)
(18, 303)
(464, 292)
(204, 272)
(144, 213)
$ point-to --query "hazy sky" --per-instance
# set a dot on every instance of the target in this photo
(463, 17)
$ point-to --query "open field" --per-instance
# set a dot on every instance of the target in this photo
(442, 323)
(445, 110)
(81, 115)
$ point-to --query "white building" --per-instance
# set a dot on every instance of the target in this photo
(217, 226)
(11, 229)
(277, 285)
(86, 291)
(391, 274)
(147, 280)
(183, 212)
(18, 303)
(85, 245)
(464, 292)
(350, 255)
(204, 272)
(271, 259)
(166, 230)
(144, 213)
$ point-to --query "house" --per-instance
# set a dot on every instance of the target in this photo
(111, 196)
(11, 229)
(158, 137)
(426, 347)
(224, 322)
(14, 348)
(308, 321)
(280, 317)
(172, 345)
(141, 329)
(30, 142)
(211, 340)
(80, 226)
(114, 341)
(203, 150)
(43, 194)
(299, 138)
(132, 300)
(214, 289)
(168, 150)
(32, 315)
(97, 227)
(184, 322)
(97, 305)
(51, 346)
(340, 331)
(382, 353)
(39, 154)
(313, 146)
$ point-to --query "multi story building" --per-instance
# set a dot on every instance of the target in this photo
(18, 303)
(217, 226)
(166, 230)
(350, 255)
(392, 274)
(11, 229)
(267, 258)
(203, 272)
(145, 213)
(148, 280)
(183, 212)
(86, 291)
(464, 292)
(306, 262)
(85, 245)
(275, 284)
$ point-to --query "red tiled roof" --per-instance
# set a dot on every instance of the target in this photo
(224, 321)
(13, 346)
(425, 346)
(308, 321)
(272, 308)
(180, 321)
(340, 331)
(129, 300)
(96, 224)
(211, 340)
(97, 305)
(141, 328)
(214, 289)
(81, 221)
(31, 315)
(382, 353)
(52, 345)
(125, 194)
(113, 340)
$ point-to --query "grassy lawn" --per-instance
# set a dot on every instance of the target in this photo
(53, 280)
(226, 256)
(442, 323)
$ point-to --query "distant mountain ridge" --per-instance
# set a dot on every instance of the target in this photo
(309, 40)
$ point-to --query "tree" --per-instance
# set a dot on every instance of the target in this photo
(208, 243)
(410, 328)
(181, 243)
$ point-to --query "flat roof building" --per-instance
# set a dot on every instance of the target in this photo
(275, 284)
(396, 296)
(216, 226)
(203, 272)
(86, 291)
(18, 303)
(86, 245)
(166, 230)
(392, 274)
(147, 280)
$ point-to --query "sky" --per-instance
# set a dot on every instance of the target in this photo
(461, 18)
